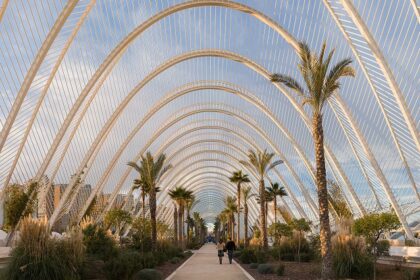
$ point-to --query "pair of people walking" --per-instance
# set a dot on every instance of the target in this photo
(221, 247)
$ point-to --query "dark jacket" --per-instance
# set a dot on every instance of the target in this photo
(230, 246)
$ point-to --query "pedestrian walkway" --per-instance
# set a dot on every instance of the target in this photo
(204, 264)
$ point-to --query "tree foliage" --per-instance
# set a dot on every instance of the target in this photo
(372, 226)
(18, 203)
(117, 218)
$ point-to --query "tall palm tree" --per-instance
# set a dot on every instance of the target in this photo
(150, 173)
(231, 208)
(275, 190)
(261, 161)
(175, 225)
(321, 81)
(238, 178)
(144, 192)
(197, 220)
(180, 195)
(190, 202)
(246, 195)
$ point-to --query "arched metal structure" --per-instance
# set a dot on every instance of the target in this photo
(74, 77)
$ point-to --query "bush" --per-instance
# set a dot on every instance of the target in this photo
(124, 265)
(412, 275)
(148, 274)
(98, 243)
(38, 256)
(304, 257)
(280, 269)
(265, 268)
(93, 269)
(248, 256)
(350, 258)
(175, 260)
(383, 248)
(237, 254)
(262, 256)
(254, 265)
(289, 257)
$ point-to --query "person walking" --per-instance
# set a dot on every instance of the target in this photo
(220, 248)
(230, 247)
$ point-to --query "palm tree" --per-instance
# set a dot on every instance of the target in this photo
(144, 191)
(231, 208)
(275, 190)
(223, 217)
(321, 83)
(261, 162)
(150, 173)
(246, 195)
(190, 202)
(180, 195)
(175, 224)
(196, 218)
(238, 177)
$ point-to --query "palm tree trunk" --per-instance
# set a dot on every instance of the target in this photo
(275, 217)
(246, 224)
(238, 238)
(188, 225)
(180, 211)
(325, 231)
(143, 201)
(275, 209)
(233, 227)
(175, 226)
(152, 205)
(262, 214)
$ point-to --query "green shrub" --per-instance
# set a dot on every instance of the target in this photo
(411, 275)
(98, 243)
(262, 256)
(148, 260)
(124, 265)
(289, 257)
(170, 250)
(148, 274)
(93, 269)
(265, 268)
(141, 235)
(382, 248)
(175, 260)
(237, 254)
(253, 265)
(248, 256)
(280, 269)
(304, 257)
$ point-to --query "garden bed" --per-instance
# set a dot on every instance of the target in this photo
(293, 271)
(311, 271)
(168, 268)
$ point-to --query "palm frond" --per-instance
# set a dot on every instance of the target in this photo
(289, 82)
(274, 164)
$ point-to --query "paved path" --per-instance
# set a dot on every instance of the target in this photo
(204, 264)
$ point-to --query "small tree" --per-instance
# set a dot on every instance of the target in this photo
(301, 226)
(18, 203)
(278, 230)
(117, 218)
(372, 227)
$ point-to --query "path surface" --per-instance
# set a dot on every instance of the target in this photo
(204, 264)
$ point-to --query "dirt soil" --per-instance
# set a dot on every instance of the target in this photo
(311, 271)
(167, 268)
